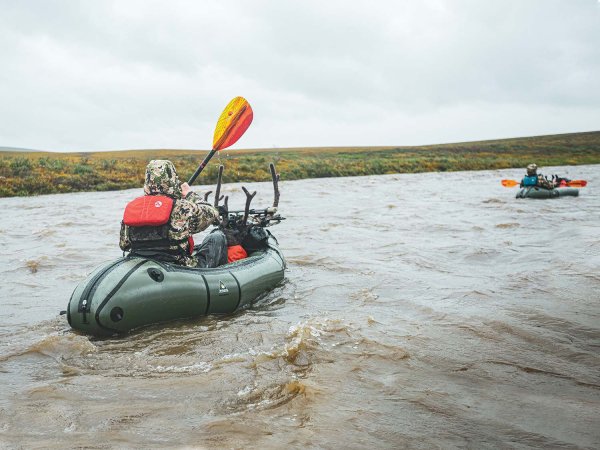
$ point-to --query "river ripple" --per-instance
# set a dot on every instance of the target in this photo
(419, 311)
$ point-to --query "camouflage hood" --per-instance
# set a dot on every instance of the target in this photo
(161, 178)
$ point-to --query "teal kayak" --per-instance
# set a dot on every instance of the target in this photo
(538, 192)
(133, 292)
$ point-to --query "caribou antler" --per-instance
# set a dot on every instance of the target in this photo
(206, 195)
(275, 177)
(225, 219)
(218, 193)
(262, 217)
(249, 198)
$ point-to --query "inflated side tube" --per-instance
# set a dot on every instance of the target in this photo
(538, 192)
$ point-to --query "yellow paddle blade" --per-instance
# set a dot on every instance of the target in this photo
(509, 183)
(234, 121)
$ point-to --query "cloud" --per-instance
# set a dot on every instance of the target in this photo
(156, 74)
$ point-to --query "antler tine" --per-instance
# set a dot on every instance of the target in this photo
(275, 177)
(218, 193)
(206, 195)
(225, 219)
(249, 198)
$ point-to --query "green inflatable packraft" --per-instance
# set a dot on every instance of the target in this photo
(538, 192)
(134, 292)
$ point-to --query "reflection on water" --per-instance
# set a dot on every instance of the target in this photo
(420, 311)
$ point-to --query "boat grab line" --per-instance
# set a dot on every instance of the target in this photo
(207, 294)
(114, 291)
(239, 291)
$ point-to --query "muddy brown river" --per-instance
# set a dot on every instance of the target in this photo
(418, 311)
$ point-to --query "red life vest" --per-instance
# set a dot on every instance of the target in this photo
(148, 219)
(149, 210)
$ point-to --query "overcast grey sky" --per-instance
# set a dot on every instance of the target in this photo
(93, 75)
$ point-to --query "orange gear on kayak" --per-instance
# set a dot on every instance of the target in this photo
(235, 253)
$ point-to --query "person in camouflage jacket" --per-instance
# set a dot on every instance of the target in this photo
(190, 215)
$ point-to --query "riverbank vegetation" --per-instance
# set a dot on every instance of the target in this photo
(30, 173)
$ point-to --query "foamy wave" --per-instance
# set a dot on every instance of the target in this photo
(201, 367)
(263, 398)
(365, 295)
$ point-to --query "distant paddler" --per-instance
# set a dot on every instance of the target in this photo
(534, 179)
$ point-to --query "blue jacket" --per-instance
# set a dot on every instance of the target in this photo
(529, 181)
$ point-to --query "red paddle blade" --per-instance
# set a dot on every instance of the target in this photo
(233, 123)
(509, 183)
(577, 183)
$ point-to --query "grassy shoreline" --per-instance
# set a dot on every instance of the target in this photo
(33, 173)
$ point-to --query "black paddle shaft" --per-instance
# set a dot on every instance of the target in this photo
(201, 166)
